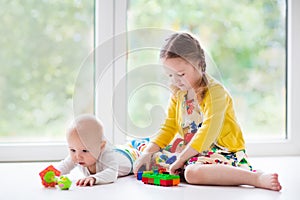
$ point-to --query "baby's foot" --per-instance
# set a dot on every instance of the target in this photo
(269, 181)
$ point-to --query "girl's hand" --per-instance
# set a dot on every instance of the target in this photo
(143, 160)
(89, 181)
(176, 167)
(187, 153)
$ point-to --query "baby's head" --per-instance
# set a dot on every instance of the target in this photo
(85, 139)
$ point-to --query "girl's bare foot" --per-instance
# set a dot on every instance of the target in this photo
(268, 181)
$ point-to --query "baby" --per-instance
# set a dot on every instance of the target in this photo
(88, 150)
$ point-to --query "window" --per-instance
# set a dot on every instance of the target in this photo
(146, 23)
(246, 51)
(43, 44)
(47, 73)
(246, 45)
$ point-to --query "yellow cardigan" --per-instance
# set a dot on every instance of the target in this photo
(219, 122)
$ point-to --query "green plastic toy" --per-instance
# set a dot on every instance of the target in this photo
(64, 183)
(51, 177)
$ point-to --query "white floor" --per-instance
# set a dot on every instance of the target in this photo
(21, 181)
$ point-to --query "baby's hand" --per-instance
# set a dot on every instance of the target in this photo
(89, 181)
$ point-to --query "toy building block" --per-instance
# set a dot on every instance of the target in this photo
(140, 174)
(48, 176)
(64, 183)
(51, 177)
(160, 179)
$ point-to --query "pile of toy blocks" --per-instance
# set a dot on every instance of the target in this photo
(160, 179)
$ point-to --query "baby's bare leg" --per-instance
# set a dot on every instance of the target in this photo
(228, 175)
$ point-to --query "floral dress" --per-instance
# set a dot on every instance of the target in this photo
(192, 121)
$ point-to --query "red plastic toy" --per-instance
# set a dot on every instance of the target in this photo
(161, 179)
(48, 176)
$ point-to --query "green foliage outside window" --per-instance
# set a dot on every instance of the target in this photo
(247, 42)
(42, 44)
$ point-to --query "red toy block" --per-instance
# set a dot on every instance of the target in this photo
(160, 179)
(46, 182)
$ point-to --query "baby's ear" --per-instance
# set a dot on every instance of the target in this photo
(103, 143)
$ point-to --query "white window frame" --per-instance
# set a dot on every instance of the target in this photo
(290, 145)
(283, 147)
(110, 20)
(110, 65)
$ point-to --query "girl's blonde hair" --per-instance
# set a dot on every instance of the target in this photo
(185, 46)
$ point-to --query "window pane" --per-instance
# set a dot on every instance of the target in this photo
(43, 44)
(247, 44)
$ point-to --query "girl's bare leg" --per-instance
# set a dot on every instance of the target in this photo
(228, 175)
